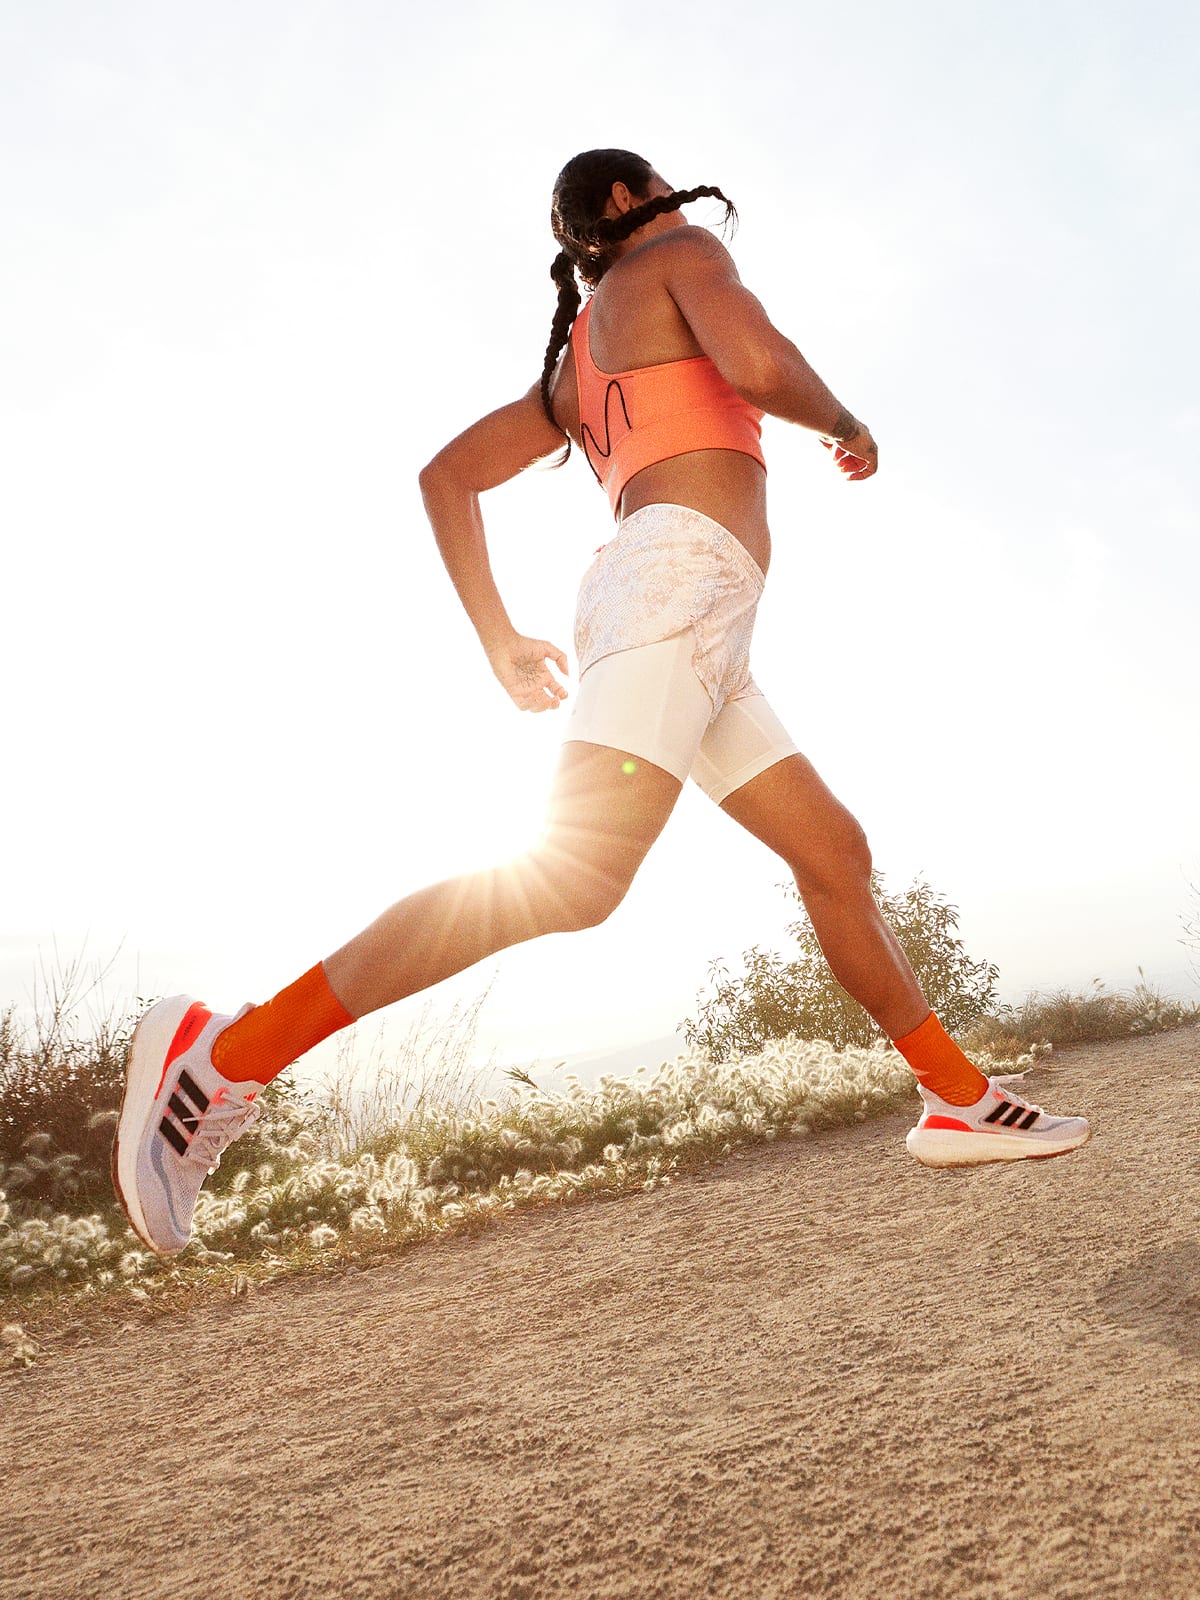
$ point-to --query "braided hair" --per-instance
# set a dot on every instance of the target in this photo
(588, 238)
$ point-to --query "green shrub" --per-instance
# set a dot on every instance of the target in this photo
(775, 997)
(60, 1094)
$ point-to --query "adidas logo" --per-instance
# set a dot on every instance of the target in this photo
(1007, 1115)
(186, 1116)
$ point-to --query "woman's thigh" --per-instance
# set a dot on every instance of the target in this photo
(791, 808)
(606, 809)
(751, 767)
(743, 739)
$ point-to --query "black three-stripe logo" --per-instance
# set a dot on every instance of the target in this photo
(187, 1116)
(1010, 1116)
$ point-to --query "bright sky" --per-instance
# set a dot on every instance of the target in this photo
(259, 262)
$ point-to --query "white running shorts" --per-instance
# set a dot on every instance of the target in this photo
(662, 633)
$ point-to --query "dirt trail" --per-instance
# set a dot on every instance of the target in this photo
(817, 1369)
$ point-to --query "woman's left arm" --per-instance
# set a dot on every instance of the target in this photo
(751, 354)
(487, 454)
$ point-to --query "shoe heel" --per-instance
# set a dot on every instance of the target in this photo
(147, 1051)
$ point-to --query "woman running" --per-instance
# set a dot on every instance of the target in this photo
(661, 381)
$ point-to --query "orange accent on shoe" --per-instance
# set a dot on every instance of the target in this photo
(947, 1122)
(940, 1065)
(258, 1046)
(186, 1034)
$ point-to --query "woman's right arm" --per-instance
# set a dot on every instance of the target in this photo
(751, 354)
(487, 454)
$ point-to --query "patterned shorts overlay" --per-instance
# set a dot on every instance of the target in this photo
(662, 631)
(669, 569)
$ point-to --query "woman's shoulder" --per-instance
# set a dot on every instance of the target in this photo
(688, 260)
(683, 244)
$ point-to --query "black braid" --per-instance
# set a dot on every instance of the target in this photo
(588, 238)
(608, 231)
(563, 274)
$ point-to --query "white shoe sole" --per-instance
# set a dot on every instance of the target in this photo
(939, 1147)
(148, 1050)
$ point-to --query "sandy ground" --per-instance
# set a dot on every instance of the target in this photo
(816, 1369)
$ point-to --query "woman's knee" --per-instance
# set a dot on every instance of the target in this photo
(576, 894)
(841, 858)
(588, 909)
(857, 848)
(601, 821)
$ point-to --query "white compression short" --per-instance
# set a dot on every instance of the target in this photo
(662, 632)
(648, 702)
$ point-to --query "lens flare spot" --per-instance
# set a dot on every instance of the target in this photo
(629, 767)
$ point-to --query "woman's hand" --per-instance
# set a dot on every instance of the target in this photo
(520, 665)
(856, 456)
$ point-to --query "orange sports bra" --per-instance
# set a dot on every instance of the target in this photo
(631, 420)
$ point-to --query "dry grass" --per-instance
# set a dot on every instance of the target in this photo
(432, 1169)
(386, 1154)
(1065, 1016)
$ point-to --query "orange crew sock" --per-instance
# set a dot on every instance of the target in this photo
(940, 1065)
(259, 1045)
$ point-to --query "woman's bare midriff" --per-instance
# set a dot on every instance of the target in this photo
(725, 485)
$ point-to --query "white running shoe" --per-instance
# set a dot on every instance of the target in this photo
(1000, 1126)
(177, 1116)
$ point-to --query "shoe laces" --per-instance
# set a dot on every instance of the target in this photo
(1017, 1099)
(226, 1119)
